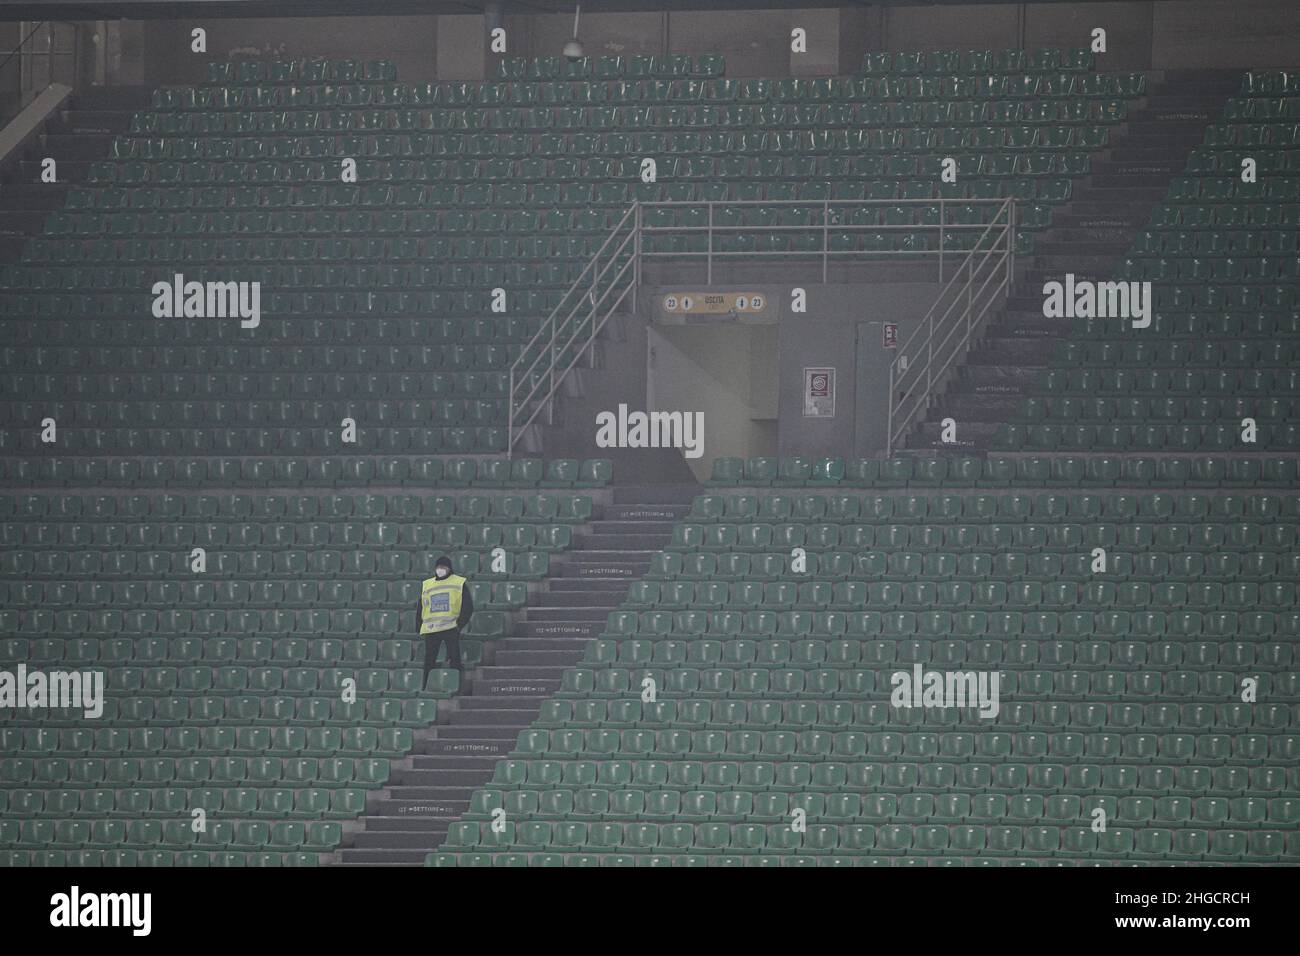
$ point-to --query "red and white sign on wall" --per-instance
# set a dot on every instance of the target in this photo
(819, 393)
(889, 339)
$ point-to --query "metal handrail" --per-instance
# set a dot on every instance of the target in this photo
(822, 229)
(614, 273)
(592, 289)
(971, 292)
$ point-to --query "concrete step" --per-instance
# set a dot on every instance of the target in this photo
(1058, 248)
(426, 840)
(970, 434)
(1057, 264)
(967, 407)
(478, 732)
(112, 98)
(420, 810)
(351, 857)
(605, 567)
(539, 644)
(1134, 175)
(437, 778)
(571, 629)
(586, 584)
(87, 146)
(24, 222)
(495, 747)
(668, 493)
(503, 714)
(388, 821)
(1026, 326)
(1120, 194)
(466, 706)
(28, 171)
(645, 512)
(504, 686)
(620, 543)
(599, 598)
(435, 797)
(455, 762)
(566, 658)
(633, 527)
(40, 196)
(1021, 352)
(569, 615)
(96, 121)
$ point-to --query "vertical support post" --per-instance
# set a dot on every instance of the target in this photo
(1011, 243)
(942, 212)
(550, 396)
(889, 413)
(510, 414)
(929, 357)
(709, 256)
(826, 238)
(970, 289)
(636, 251)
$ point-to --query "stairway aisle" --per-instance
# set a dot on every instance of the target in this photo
(1088, 236)
(429, 790)
(82, 133)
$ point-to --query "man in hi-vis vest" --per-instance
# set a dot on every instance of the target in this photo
(445, 607)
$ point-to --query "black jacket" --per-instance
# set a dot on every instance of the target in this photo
(466, 608)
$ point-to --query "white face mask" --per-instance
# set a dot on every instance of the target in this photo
(441, 572)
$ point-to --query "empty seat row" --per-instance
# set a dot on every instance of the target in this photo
(934, 646)
(1050, 535)
(870, 625)
(112, 834)
(1028, 470)
(338, 623)
(274, 802)
(239, 709)
(830, 569)
(1028, 684)
(343, 772)
(862, 838)
(1043, 507)
(292, 508)
(451, 472)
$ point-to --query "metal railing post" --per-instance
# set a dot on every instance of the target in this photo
(826, 237)
(970, 286)
(929, 355)
(942, 214)
(636, 253)
(1011, 242)
(510, 415)
(709, 257)
(550, 397)
(889, 414)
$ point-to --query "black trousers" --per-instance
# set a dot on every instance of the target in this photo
(432, 642)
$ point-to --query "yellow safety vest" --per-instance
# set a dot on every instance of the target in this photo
(440, 603)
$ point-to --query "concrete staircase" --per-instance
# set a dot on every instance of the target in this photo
(1088, 236)
(79, 135)
(430, 790)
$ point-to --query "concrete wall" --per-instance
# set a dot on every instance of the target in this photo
(827, 336)
(410, 42)
(1142, 34)
(1226, 33)
(718, 371)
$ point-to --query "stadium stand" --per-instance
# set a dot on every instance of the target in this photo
(1121, 690)
(467, 188)
(224, 688)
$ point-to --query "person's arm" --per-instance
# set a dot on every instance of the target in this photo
(466, 607)
(419, 613)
